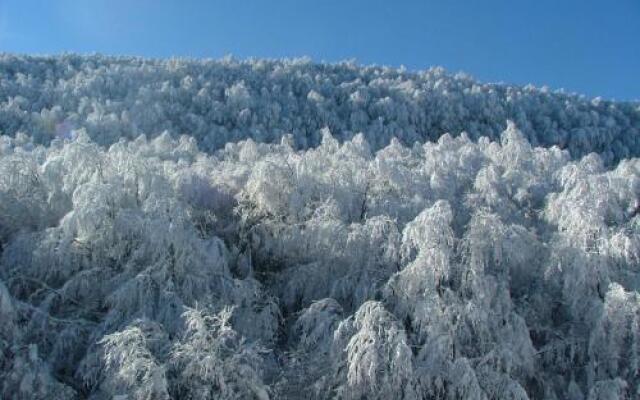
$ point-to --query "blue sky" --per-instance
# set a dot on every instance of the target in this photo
(590, 46)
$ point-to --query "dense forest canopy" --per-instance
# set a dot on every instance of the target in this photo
(217, 102)
(283, 229)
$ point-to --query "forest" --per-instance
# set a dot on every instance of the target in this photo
(283, 229)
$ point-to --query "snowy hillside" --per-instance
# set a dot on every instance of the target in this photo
(221, 101)
(314, 233)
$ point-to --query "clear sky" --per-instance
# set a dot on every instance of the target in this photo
(586, 46)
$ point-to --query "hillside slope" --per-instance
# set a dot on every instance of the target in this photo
(281, 254)
(221, 101)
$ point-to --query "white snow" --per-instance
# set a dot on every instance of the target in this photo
(283, 229)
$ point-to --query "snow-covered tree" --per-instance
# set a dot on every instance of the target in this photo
(212, 361)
